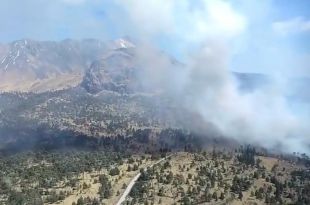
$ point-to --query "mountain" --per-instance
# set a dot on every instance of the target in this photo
(116, 71)
(91, 88)
(46, 65)
(39, 66)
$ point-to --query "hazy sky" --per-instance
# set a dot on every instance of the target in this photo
(269, 36)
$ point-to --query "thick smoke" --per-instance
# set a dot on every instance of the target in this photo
(208, 35)
(204, 84)
(261, 116)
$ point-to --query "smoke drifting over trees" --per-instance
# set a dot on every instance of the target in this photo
(205, 85)
(208, 38)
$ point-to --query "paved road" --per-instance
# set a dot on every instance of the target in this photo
(134, 180)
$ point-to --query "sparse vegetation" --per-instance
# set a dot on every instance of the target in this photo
(196, 177)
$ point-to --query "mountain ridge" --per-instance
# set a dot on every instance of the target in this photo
(56, 65)
(45, 61)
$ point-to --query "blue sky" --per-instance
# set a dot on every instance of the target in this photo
(269, 36)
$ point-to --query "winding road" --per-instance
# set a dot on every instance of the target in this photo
(134, 180)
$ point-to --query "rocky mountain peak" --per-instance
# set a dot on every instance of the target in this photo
(115, 71)
(125, 42)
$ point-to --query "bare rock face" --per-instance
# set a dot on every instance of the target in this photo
(115, 72)
(122, 69)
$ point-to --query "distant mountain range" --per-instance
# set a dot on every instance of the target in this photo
(39, 66)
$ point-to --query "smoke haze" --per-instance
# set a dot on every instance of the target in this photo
(209, 39)
(204, 84)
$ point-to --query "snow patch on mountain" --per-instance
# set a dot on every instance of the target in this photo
(123, 43)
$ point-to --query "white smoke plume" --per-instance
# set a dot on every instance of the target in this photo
(210, 36)
(204, 84)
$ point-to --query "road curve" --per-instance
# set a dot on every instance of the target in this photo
(133, 182)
